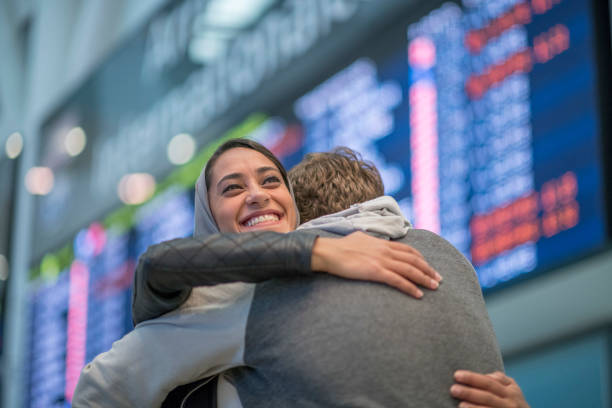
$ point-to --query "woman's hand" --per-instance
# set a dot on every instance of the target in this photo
(495, 390)
(363, 257)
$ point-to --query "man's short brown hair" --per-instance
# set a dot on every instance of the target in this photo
(325, 183)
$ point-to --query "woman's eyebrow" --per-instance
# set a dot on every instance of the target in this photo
(267, 168)
(229, 176)
(260, 170)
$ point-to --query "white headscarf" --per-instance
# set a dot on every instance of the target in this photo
(205, 225)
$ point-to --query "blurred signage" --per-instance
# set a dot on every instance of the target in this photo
(485, 122)
(150, 90)
(209, 91)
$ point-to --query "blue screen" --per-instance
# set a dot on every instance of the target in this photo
(88, 307)
(483, 119)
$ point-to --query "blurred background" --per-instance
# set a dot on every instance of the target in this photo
(490, 121)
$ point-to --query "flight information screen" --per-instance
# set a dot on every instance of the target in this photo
(484, 121)
(88, 307)
(483, 117)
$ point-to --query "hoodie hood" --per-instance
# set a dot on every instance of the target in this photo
(380, 217)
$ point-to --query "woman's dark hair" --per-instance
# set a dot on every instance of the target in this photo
(247, 144)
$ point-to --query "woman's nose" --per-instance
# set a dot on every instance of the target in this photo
(257, 196)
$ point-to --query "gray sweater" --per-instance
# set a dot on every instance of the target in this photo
(328, 342)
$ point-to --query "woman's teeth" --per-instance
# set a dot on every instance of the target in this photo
(262, 218)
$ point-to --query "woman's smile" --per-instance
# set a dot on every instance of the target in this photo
(261, 218)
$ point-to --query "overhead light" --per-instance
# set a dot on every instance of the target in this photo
(75, 141)
(208, 44)
(222, 20)
(202, 26)
(136, 188)
(235, 13)
(204, 50)
(14, 145)
(39, 180)
(181, 148)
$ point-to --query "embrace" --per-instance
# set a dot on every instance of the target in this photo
(252, 312)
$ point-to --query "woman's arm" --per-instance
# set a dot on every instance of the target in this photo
(166, 272)
(363, 257)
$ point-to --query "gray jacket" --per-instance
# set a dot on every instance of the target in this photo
(328, 342)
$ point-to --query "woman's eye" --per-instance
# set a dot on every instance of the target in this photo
(271, 179)
(230, 188)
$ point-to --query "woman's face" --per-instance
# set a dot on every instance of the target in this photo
(247, 193)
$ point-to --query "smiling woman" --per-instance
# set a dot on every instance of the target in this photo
(248, 193)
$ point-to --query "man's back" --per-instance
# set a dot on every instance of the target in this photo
(329, 342)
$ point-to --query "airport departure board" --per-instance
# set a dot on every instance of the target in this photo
(484, 118)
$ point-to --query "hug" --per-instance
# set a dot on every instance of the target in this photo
(307, 289)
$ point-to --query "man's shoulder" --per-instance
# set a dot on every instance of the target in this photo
(425, 237)
(428, 242)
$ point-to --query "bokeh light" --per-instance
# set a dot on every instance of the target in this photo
(49, 267)
(136, 188)
(90, 242)
(4, 268)
(39, 180)
(14, 145)
(181, 149)
(75, 141)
